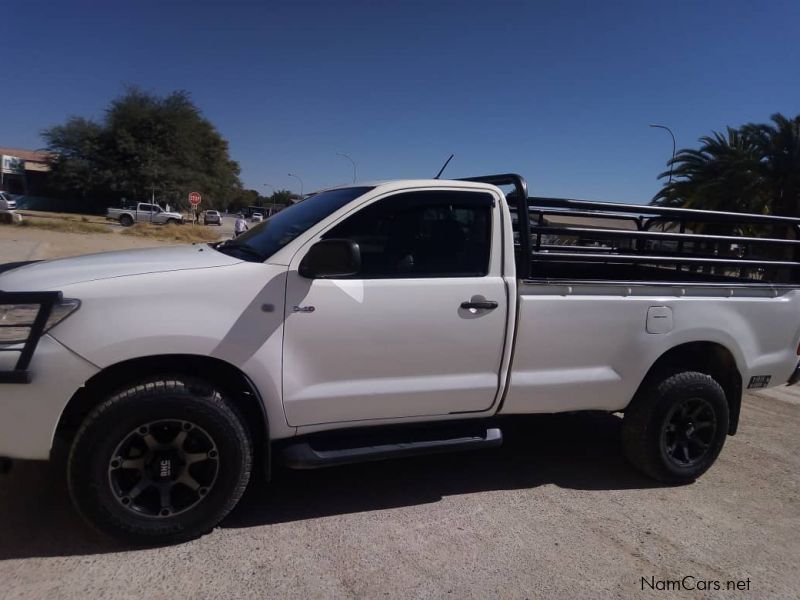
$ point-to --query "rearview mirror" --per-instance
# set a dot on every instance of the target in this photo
(329, 259)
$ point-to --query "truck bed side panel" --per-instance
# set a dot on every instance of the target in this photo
(586, 346)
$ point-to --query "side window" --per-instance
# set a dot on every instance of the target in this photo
(422, 234)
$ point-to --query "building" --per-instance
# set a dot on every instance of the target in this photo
(23, 171)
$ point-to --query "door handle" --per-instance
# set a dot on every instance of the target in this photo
(484, 304)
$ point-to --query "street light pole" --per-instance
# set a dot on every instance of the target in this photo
(672, 135)
(352, 161)
(301, 183)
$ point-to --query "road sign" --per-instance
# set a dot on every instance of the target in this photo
(194, 198)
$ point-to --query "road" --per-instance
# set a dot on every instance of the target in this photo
(555, 513)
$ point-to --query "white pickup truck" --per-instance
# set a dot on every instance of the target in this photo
(385, 320)
(144, 213)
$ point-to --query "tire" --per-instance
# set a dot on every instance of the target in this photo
(126, 220)
(173, 222)
(675, 427)
(162, 429)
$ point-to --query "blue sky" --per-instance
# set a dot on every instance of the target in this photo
(560, 91)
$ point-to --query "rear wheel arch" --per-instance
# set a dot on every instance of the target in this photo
(710, 358)
(242, 393)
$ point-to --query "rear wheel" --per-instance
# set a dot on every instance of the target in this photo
(126, 220)
(160, 462)
(676, 426)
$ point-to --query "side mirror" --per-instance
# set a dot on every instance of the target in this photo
(329, 259)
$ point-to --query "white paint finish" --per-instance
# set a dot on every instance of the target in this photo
(207, 312)
(30, 412)
(568, 345)
(55, 274)
(400, 348)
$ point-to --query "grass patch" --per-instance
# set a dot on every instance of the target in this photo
(176, 233)
(38, 214)
(68, 226)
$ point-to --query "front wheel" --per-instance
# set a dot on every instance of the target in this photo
(675, 427)
(160, 462)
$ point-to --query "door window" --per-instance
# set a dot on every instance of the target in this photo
(422, 234)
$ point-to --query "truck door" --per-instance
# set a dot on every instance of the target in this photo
(394, 340)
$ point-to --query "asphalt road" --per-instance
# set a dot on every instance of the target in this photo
(555, 513)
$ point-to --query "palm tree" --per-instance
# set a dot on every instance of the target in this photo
(724, 174)
(755, 168)
(780, 149)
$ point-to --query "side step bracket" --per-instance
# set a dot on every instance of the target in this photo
(303, 455)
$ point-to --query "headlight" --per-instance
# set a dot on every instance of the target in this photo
(17, 319)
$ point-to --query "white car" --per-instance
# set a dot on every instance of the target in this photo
(6, 203)
(402, 311)
(256, 218)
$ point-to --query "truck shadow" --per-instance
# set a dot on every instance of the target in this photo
(580, 451)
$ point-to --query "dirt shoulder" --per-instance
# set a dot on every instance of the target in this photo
(27, 243)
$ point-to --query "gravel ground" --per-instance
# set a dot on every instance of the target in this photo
(556, 513)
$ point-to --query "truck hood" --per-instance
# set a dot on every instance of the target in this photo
(55, 274)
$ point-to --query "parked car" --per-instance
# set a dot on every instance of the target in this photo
(373, 322)
(6, 203)
(212, 217)
(256, 217)
(144, 213)
(7, 208)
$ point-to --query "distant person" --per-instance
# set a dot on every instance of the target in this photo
(240, 226)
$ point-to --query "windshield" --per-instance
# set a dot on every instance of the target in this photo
(271, 235)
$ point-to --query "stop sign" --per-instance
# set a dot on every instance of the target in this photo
(194, 198)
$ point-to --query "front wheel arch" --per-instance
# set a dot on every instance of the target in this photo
(241, 391)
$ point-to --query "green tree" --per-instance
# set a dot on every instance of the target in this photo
(753, 168)
(145, 145)
(242, 198)
(282, 197)
(77, 167)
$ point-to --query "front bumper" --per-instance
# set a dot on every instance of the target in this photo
(29, 413)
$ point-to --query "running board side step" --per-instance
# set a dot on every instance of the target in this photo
(302, 455)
